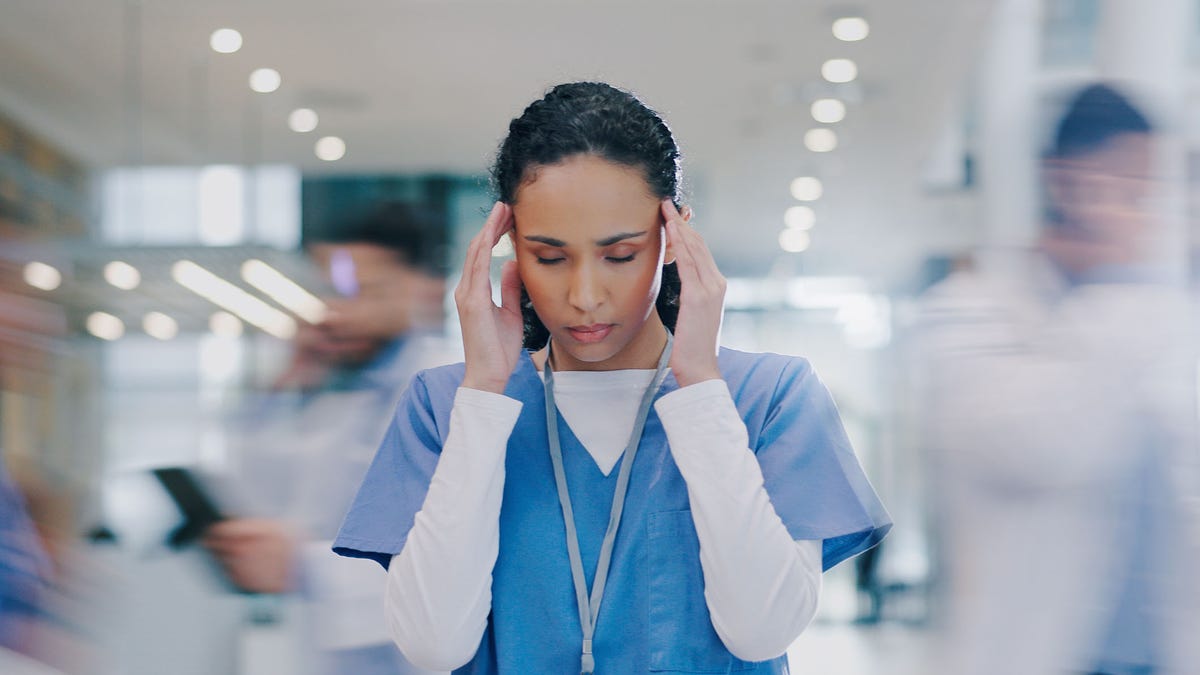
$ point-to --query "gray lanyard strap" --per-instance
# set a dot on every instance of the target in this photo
(590, 610)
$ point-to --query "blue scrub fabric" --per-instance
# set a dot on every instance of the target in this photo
(24, 568)
(654, 617)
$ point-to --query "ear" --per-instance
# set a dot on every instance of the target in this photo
(686, 213)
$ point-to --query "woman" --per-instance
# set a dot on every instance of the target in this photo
(600, 487)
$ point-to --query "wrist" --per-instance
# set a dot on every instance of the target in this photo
(691, 377)
(491, 385)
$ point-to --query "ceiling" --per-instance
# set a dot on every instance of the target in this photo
(430, 85)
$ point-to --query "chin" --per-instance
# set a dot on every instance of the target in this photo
(594, 353)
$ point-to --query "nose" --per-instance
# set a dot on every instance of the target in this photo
(585, 291)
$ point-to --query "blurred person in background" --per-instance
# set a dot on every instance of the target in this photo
(309, 446)
(24, 569)
(24, 574)
(1060, 404)
(46, 579)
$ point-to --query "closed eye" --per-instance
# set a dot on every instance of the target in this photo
(549, 261)
(628, 258)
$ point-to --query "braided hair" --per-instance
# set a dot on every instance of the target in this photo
(590, 118)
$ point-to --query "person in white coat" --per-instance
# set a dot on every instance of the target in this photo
(307, 446)
(1060, 409)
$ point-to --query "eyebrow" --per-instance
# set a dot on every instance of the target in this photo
(607, 241)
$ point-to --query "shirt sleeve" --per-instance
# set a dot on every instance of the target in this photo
(810, 471)
(761, 587)
(395, 484)
(439, 586)
(394, 489)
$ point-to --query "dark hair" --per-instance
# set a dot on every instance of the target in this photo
(1096, 114)
(417, 234)
(590, 118)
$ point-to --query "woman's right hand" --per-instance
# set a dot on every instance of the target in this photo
(492, 336)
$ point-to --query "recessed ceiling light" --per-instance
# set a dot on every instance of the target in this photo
(160, 326)
(807, 188)
(330, 148)
(828, 110)
(265, 80)
(225, 41)
(839, 71)
(234, 299)
(275, 285)
(42, 276)
(851, 28)
(820, 139)
(794, 241)
(122, 275)
(799, 217)
(105, 326)
(302, 120)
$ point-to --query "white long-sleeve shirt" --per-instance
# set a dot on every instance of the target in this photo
(761, 587)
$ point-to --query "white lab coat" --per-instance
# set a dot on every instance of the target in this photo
(1040, 402)
(302, 459)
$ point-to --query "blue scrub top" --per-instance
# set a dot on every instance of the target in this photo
(654, 617)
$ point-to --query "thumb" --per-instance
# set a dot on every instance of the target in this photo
(510, 287)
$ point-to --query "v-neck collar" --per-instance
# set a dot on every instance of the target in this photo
(525, 384)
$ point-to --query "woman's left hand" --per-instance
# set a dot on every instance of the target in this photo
(701, 302)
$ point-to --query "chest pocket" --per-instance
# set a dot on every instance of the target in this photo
(682, 638)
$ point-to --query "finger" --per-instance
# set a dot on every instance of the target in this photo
(487, 234)
(672, 215)
(504, 223)
(698, 268)
(510, 287)
(480, 254)
(669, 211)
(698, 255)
(684, 260)
(466, 281)
(233, 528)
(702, 256)
(490, 234)
(214, 544)
(223, 551)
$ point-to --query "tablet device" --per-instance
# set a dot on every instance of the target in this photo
(199, 510)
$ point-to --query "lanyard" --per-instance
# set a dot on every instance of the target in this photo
(589, 610)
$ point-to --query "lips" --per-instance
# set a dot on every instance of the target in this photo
(590, 334)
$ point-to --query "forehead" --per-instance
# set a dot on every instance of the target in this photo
(584, 194)
(1126, 154)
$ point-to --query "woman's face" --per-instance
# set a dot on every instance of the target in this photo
(589, 243)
